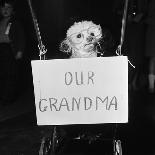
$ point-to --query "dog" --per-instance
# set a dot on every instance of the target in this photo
(82, 40)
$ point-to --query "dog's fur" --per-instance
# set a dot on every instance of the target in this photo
(82, 39)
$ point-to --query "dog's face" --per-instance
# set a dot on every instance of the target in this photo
(82, 37)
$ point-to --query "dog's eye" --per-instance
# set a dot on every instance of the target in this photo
(79, 35)
(92, 34)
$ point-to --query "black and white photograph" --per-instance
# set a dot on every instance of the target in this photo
(77, 77)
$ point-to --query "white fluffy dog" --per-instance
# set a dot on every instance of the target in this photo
(82, 40)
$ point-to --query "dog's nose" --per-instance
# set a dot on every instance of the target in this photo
(90, 39)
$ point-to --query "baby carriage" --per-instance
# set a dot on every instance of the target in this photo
(90, 143)
(94, 126)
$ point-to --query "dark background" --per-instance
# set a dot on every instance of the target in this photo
(56, 16)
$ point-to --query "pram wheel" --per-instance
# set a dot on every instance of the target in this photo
(117, 147)
(57, 143)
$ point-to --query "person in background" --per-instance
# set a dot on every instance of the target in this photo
(12, 44)
(134, 39)
(150, 44)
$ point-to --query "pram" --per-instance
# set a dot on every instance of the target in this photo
(89, 142)
(54, 142)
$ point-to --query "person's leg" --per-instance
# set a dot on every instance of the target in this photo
(151, 76)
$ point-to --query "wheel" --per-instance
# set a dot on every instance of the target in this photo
(117, 147)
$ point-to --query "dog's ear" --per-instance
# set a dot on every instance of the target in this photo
(65, 46)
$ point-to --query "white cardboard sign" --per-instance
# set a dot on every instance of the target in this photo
(81, 91)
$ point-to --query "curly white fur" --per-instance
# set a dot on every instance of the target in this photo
(77, 27)
(81, 38)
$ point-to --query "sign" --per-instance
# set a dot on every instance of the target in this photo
(81, 90)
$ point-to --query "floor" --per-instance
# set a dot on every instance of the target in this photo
(20, 135)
